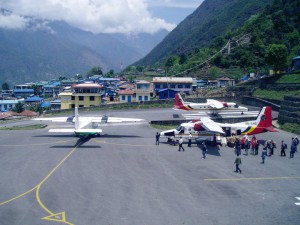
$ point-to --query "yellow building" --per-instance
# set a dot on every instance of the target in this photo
(81, 95)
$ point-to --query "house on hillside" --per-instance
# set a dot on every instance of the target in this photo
(177, 84)
(225, 82)
(296, 63)
(23, 90)
(127, 95)
(143, 90)
(7, 105)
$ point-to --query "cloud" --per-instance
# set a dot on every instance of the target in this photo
(12, 21)
(97, 16)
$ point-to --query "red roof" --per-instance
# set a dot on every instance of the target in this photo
(126, 92)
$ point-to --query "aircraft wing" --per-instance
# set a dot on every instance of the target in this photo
(80, 130)
(210, 125)
(56, 119)
(215, 104)
(64, 130)
(108, 119)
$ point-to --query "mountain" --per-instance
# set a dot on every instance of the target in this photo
(47, 50)
(211, 19)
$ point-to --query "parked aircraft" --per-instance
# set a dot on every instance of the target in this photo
(210, 105)
(87, 126)
(206, 129)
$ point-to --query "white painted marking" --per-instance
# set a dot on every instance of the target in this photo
(297, 203)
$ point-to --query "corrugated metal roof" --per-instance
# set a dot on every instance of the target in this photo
(173, 80)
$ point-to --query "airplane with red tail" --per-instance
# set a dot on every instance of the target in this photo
(210, 105)
(205, 129)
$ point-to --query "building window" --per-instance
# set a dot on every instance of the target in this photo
(92, 98)
(81, 98)
(146, 98)
(140, 98)
(187, 86)
(172, 86)
(180, 86)
(73, 98)
(157, 86)
(123, 97)
(165, 86)
(81, 106)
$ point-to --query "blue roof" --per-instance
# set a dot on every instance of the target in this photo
(162, 90)
(45, 104)
(33, 99)
(23, 91)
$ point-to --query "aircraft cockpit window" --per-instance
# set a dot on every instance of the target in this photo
(179, 128)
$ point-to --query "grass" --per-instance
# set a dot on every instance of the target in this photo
(276, 95)
(29, 127)
(291, 127)
(163, 127)
(289, 78)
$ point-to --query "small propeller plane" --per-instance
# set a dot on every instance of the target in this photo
(210, 105)
(87, 126)
(205, 129)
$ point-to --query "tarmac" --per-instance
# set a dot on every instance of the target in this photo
(123, 178)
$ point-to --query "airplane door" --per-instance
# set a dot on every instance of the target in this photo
(228, 131)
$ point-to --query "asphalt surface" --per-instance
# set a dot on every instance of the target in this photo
(123, 178)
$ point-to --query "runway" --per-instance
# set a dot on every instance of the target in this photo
(123, 178)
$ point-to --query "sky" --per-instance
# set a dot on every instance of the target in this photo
(99, 16)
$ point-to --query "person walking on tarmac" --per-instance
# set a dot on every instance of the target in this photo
(180, 144)
(263, 155)
(157, 138)
(283, 148)
(238, 162)
(204, 149)
(190, 140)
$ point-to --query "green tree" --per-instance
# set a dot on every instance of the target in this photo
(97, 70)
(36, 89)
(276, 55)
(5, 86)
(110, 73)
(19, 107)
(214, 73)
(171, 61)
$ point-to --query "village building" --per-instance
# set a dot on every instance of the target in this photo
(177, 84)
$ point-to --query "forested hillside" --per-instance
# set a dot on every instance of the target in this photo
(274, 39)
(212, 19)
(268, 40)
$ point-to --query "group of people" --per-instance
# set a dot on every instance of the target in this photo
(268, 148)
(244, 144)
(172, 141)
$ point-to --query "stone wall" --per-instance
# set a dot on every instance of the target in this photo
(290, 110)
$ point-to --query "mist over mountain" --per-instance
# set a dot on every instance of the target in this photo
(210, 20)
(47, 50)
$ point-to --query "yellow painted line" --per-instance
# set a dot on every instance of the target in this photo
(251, 178)
(19, 196)
(58, 217)
(47, 177)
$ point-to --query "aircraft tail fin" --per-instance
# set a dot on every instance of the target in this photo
(178, 101)
(264, 118)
